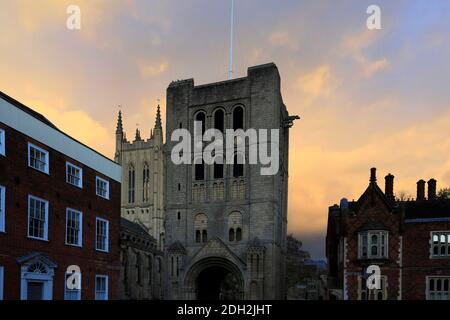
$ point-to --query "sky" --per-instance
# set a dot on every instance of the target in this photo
(366, 98)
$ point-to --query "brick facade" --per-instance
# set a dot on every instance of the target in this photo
(408, 224)
(20, 181)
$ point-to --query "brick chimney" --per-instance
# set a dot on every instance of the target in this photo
(432, 189)
(373, 175)
(420, 190)
(389, 187)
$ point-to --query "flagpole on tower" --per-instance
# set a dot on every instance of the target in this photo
(231, 39)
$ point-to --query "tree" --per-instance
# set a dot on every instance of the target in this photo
(443, 194)
(296, 270)
(403, 196)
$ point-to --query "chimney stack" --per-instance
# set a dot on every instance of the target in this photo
(389, 187)
(432, 189)
(373, 175)
(420, 190)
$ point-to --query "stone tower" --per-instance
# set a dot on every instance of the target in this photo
(142, 164)
(226, 224)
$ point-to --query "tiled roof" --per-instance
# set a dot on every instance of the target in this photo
(427, 209)
(135, 228)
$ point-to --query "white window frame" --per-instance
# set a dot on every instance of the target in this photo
(97, 178)
(2, 143)
(45, 238)
(66, 290)
(80, 183)
(440, 244)
(372, 294)
(369, 235)
(47, 158)
(80, 231)
(2, 209)
(432, 295)
(2, 281)
(101, 276)
(107, 235)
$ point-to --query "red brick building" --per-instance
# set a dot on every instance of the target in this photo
(59, 207)
(409, 240)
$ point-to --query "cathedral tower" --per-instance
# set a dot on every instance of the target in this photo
(143, 178)
(226, 223)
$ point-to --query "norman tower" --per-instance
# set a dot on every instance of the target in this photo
(226, 224)
(142, 164)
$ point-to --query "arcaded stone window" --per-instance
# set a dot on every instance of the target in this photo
(234, 190)
(199, 170)
(218, 170)
(241, 191)
(238, 165)
(219, 120)
(201, 228)
(218, 191)
(238, 234)
(231, 234)
(235, 226)
(195, 192)
(238, 118)
(201, 117)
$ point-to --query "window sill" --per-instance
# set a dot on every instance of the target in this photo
(47, 172)
(74, 245)
(373, 260)
(40, 239)
(74, 185)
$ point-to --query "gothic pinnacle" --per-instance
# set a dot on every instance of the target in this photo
(158, 118)
(119, 128)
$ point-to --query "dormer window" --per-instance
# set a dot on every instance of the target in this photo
(373, 244)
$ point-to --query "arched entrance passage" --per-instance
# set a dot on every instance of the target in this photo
(215, 278)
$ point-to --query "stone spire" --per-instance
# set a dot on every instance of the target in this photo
(119, 128)
(158, 118)
(138, 135)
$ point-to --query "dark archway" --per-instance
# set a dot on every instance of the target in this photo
(217, 283)
(215, 279)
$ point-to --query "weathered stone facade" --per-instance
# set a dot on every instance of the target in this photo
(142, 192)
(141, 272)
(226, 225)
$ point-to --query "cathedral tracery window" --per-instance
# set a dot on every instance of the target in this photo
(146, 183)
(131, 183)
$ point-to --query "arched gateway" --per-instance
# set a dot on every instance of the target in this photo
(214, 278)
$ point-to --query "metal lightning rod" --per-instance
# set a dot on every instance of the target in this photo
(231, 39)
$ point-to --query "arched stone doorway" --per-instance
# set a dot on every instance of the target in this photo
(214, 278)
